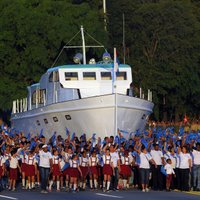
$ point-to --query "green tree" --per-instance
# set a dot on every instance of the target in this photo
(163, 38)
(32, 32)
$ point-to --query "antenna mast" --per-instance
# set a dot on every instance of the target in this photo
(124, 45)
(83, 42)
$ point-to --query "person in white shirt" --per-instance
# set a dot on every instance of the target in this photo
(116, 167)
(14, 164)
(169, 171)
(144, 166)
(2, 166)
(185, 167)
(157, 176)
(170, 154)
(84, 163)
(126, 164)
(196, 167)
(44, 166)
(31, 169)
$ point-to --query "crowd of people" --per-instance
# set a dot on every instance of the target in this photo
(159, 158)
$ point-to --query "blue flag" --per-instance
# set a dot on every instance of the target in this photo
(93, 139)
(73, 136)
(33, 145)
(29, 137)
(144, 142)
(53, 139)
(41, 133)
(67, 132)
(117, 140)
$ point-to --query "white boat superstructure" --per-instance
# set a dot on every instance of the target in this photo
(85, 98)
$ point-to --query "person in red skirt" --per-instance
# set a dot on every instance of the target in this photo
(14, 164)
(31, 169)
(74, 172)
(126, 163)
(67, 154)
(56, 170)
(2, 166)
(107, 170)
(93, 161)
(23, 163)
(84, 163)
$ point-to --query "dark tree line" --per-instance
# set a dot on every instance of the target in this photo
(162, 45)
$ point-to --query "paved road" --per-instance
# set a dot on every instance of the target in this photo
(99, 195)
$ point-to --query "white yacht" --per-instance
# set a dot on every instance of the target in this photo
(85, 98)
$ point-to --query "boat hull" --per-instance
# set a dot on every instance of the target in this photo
(89, 115)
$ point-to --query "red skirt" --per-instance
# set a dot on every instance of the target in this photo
(74, 173)
(84, 171)
(56, 170)
(125, 170)
(107, 170)
(30, 170)
(93, 170)
(23, 167)
(66, 172)
(13, 174)
(1, 171)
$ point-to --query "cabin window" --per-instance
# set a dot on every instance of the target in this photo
(89, 76)
(38, 96)
(41, 96)
(38, 122)
(106, 76)
(68, 117)
(34, 98)
(121, 76)
(45, 121)
(54, 76)
(71, 76)
(55, 119)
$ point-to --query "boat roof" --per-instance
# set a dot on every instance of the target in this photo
(75, 66)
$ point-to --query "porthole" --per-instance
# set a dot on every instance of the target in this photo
(55, 119)
(45, 121)
(38, 122)
(68, 117)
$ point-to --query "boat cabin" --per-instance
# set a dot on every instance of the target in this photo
(71, 82)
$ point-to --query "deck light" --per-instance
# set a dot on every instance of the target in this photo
(78, 58)
(106, 57)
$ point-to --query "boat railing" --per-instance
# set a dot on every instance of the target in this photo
(20, 105)
(145, 95)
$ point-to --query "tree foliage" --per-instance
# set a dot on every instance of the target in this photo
(162, 45)
(32, 34)
(163, 41)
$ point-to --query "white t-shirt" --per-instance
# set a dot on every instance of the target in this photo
(177, 160)
(126, 160)
(184, 160)
(84, 162)
(115, 158)
(196, 155)
(93, 161)
(169, 169)
(2, 161)
(45, 159)
(144, 160)
(157, 155)
(56, 160)
(172, 157)
(13, 162)
(107, 160)
(30, 160)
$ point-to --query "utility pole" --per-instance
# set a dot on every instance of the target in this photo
(105, 15)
